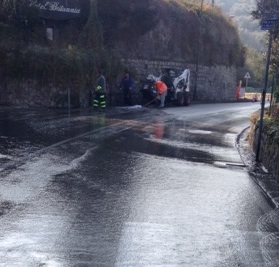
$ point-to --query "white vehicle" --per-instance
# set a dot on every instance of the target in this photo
(178, 86)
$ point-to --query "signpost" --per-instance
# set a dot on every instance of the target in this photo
(247, 76)
(269, 21)
(267, 24)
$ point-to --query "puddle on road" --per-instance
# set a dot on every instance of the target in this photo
(163, 148)
(89, 200)
(166, 140)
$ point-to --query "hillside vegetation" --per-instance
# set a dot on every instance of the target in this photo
(165, 29)
(249, 28)
(151, 29)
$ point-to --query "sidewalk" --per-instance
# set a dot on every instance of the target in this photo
(257, 171)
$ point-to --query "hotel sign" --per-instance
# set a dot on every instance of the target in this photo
(58, 9)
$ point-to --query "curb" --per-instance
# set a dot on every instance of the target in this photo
(257, 171)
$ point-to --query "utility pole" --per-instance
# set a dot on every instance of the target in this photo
(198, 54)
(271, 95)
(263, 97)
(268, 23)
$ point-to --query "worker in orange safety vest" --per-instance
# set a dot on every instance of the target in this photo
(161, 89)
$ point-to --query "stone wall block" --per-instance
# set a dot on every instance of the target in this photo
(269, 150)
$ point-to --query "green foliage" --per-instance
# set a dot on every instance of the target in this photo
(26, 54)
(254, 64)
(276, 94)
(59, 66)
(274, 61)
(220, 39)
(253, 90)
(126, 19)
(19, 24)
(92, 36)
(43, 64)
(18, 13)
(264, 7)
(271, 127)
(175, 28)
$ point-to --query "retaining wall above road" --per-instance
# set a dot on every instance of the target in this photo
(214, 84)
(32, 94)
(269, 149)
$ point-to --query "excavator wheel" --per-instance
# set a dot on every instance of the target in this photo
(180, 99)
(187, 99)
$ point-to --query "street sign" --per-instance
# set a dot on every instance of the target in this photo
(268, 24)
(247, 76)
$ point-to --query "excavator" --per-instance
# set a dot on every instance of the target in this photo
(178, 87)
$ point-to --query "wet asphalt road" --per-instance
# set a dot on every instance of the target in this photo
(132, 187)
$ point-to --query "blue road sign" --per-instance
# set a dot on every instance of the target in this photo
(268, 24)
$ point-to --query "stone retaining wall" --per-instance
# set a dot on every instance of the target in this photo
(269, 149)
(32, 94)
(214, 84)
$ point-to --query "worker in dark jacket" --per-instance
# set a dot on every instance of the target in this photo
(126, 86)
(100, 92)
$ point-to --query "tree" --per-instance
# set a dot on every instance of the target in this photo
(265, 7)
(92, 33)
(270, 9)
(255, 62)
(275, 57)
(127, 19)
(18, 23)
(12, 11)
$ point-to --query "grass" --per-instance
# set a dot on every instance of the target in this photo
(270, 124)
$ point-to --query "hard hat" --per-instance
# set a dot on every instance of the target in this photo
(152, 78)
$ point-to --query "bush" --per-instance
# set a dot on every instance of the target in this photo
(271, 127)
(59, 66)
